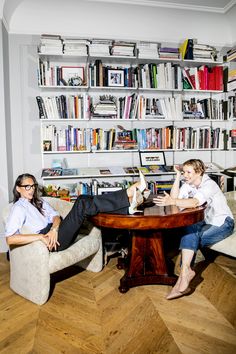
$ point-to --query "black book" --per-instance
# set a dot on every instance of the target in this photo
(97, 65)
(64, 107)
(42, 111)
(189, 51)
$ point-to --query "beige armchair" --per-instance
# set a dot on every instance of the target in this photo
(228, 245)
(32, 264)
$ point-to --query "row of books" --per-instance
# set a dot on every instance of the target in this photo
(62, 106)
(152, 75)
(112, 76)
(71, 191)
(207, 108)
(203, 78)
(170, 137)
(104, 171)
(66, 139)
(153, 50)
(137, 107)
(189, 49)
(55, 75)
(166, 76)
(160, 76)
(132, 106)
(184, 138)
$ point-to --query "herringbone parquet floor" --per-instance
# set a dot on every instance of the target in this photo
(87, 314)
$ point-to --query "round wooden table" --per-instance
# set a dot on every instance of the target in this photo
(147, 262)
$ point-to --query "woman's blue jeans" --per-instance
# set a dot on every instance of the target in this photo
(201, 234)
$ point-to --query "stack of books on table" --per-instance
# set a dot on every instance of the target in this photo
(50, 44)
(147, 50)
(74, 46)
(121, 48)
(100, 47)
(169, 53)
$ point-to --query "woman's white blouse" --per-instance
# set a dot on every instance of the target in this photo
(208, 192)
(23, 213)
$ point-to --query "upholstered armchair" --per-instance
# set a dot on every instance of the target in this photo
(228, 245)
(32, 264)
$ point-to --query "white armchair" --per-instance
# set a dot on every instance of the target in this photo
(228, 245)
(32, 264)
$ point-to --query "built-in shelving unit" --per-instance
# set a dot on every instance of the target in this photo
(143, 97)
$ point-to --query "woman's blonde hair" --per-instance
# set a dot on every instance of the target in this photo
(197, 165)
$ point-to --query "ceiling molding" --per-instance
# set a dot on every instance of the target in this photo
(153, 3)
(6, 25)
(229, 5)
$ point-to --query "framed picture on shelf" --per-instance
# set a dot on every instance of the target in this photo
(72, 75)
(152, 158)
(115, 77)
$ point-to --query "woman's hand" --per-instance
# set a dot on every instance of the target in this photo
(177, 169)
(44, 239)
(52, 236)
(164, 200)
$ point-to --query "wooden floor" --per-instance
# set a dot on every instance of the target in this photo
(87, 314)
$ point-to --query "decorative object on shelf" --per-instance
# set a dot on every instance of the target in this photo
(72, 75)
(47, 145)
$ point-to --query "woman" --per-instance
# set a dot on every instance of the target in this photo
(198, 188)
(46, 225)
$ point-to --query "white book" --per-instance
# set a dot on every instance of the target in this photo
(161, 76)
(168, 108)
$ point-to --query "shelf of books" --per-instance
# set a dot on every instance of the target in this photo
(110, 100)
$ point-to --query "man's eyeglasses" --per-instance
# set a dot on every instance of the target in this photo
(29, 186)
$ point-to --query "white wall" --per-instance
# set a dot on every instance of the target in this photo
(25, 129)
(86, 18)
(3, 149)
(231, 18)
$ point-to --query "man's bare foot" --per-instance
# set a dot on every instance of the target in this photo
(136, 200)
(141, 185)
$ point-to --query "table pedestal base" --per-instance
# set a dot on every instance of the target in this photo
(147, 264)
